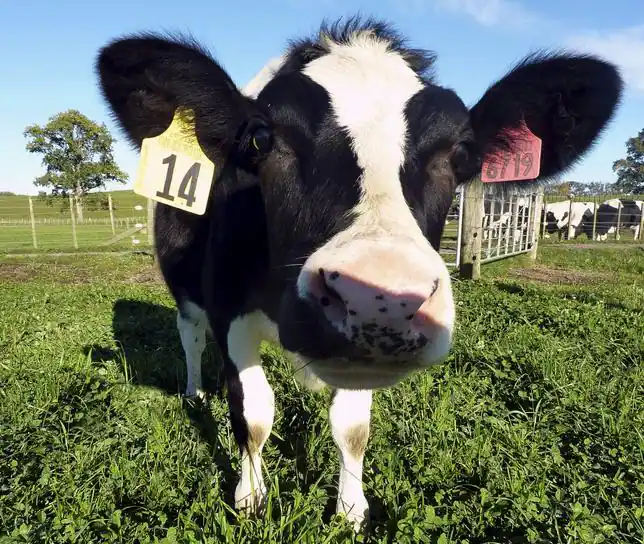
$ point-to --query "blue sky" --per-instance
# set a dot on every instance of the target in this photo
(47, 50)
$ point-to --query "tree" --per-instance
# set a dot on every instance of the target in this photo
(630, 171)
(77, 153)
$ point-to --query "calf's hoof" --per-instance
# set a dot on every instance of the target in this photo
(194, 393)
(250, 501)
(356, 512)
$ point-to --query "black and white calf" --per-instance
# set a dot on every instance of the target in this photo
(628, 212)
(324, 234)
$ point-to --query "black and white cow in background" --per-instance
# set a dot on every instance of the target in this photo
(324, 234)
(565, 220)
(629, 213)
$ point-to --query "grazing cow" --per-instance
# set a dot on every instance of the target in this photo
(334, 172)
(565, 220)
(629, 213)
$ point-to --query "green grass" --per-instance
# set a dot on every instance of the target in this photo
(54, 227)
(530, 432)
(16, 207)
(18, 238)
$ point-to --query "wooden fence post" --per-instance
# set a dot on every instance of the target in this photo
(150, 225)
(33, 223)
(473, 211)
(536, 223)
(513, 223)
(619, 218)
(71, 213)
(639, 234)
(111, 207)
(596, 206)
(569, 217)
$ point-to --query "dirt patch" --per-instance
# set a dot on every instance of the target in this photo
(601, 245)
(151, 274)
(25, 272)
(78, 273)
(545, 274)
(17, 272)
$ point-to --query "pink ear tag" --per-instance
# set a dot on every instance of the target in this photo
(522, 164)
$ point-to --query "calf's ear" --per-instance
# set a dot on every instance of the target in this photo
(566, 100)
(145, 77)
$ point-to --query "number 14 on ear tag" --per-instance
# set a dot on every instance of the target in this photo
(174, 170)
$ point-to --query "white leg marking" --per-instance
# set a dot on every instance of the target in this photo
(244, 338)
(192, 324)
(349, 416)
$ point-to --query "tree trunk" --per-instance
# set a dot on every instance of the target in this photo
(79, 204)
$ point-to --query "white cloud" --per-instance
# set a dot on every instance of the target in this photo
(509, 13)
(624, 47)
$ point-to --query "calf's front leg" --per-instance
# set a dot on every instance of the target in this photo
(192, 324)
(252, 407)
(349, 416)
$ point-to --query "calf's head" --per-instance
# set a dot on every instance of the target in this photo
(358, 152)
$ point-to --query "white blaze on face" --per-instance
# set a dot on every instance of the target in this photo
(369, 87)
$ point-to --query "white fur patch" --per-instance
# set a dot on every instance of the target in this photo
(192, 324)
(303, 372)
(261, 79)
(614, 202)
(350, 410)
(369, 87)
(558, 209)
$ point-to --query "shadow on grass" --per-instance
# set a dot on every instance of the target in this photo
(149, 340)
(153, 356)
(151, 349)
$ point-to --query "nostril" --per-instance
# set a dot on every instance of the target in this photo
(329, 294)
(434, 287)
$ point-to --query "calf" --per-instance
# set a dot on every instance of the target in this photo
(334, 172)
(629, 213)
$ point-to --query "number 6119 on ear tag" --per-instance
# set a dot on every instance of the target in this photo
(174, 170)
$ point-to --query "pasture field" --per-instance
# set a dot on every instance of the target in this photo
(54, 227)
(532, 430)
(15, 207)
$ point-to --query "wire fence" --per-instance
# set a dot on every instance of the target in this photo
(598, 218)
(30, 223)
(121, 222)
(509, 226)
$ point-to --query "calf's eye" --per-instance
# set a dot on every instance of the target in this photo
(262, 140)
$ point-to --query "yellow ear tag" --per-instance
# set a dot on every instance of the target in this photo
(173, 169)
